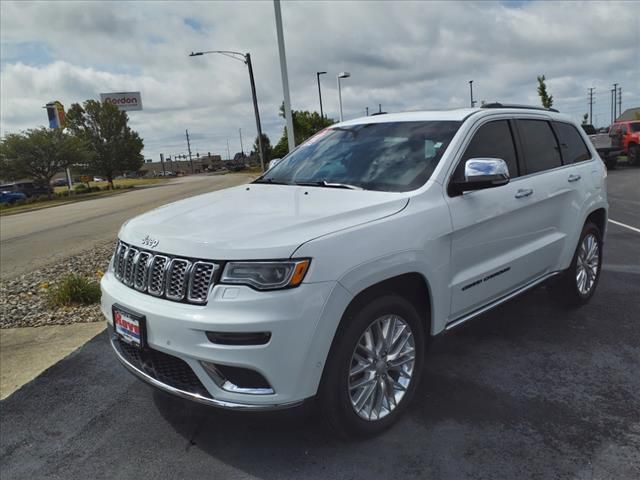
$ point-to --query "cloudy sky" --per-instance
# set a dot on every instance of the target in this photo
(403, 55)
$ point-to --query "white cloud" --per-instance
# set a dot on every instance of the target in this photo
(404, 55)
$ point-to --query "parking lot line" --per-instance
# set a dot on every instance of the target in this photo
(637, 230)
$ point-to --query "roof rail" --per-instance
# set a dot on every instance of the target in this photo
(514, 105)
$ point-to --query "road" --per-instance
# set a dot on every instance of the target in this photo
(31, 240)
(527, 391)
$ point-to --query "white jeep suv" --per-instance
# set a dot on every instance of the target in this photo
(325, 277)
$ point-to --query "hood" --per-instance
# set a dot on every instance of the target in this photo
(256, 221)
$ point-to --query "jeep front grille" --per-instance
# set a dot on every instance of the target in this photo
(173, 278)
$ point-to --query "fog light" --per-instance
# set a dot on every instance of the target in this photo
(238, 379)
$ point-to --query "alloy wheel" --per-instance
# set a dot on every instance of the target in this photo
(381, 367)
(588, 264)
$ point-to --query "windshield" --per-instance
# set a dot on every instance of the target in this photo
(635, 127)
(394, 157)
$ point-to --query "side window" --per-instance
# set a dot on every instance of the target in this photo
(492, 140)
(541, 151)
(573, 147)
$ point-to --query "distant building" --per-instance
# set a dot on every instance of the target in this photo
(210, 163)
(629, 114)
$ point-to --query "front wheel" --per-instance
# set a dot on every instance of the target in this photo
(373, 367)
(578, 283)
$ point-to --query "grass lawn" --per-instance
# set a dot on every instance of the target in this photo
(122, 182)
(125, 185)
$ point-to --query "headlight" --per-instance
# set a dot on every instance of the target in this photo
(266, 275)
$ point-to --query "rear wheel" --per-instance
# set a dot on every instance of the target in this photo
(578, 283)
(373, 368)
(633, 155)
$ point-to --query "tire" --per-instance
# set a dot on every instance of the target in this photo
(633, 156)
(569, 290)
(340, 396)
(611, 162)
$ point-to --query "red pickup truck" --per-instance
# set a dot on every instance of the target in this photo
(630, 133)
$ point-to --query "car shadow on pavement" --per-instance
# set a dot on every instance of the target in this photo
(524, 389)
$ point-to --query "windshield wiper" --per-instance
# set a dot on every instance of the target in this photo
(324, 183)
(271, 181)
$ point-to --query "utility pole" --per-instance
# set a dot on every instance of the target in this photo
(189, 149)
(366, 111)
(320, 92)
(241, 147)
(473, 102)
(162, 162)
(228, 151)
(379, 108)
(255, 108)
(619, 101)
(613, 106)
(615, 94)
(285, 77)
(591, 105)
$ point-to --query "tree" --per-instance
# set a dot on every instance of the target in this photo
(116, 147)
(305, 125)
(545, 98)
(266, 146)
(585, 119)
(40, 153)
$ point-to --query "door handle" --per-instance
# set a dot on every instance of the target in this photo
(524, 192)
(574, 178)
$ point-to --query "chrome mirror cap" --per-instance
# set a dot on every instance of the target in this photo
(485, 168)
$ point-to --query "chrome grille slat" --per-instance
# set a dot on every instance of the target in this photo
(177, 278)
(157, 271)
(141, 273)
(200, 281)
(174, 278)
(120, 255)
(129, 266)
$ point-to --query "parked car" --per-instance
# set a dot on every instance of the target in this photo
(59, 182)
(608, 144)
(629, 134)
(8, 197)
(325, 276)
(30, 189)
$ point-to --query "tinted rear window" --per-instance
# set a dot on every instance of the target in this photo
(573, 147)
(541, 151)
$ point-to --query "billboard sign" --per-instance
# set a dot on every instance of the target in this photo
(55, 112)
(123, 100)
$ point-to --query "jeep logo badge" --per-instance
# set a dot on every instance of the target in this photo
(150, 242)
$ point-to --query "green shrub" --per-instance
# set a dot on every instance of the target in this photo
(74, 290)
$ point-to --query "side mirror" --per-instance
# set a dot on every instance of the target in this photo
(481, 173)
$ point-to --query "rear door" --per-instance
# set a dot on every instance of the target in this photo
(494, 230)
(554, 188)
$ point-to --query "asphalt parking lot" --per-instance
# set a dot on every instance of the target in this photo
(527, 391)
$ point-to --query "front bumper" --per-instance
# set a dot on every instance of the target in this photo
(301, 322)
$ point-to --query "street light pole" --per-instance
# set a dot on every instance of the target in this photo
(246, 59)
(320, 92)
(341, 75)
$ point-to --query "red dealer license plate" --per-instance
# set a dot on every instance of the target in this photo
(129, 326)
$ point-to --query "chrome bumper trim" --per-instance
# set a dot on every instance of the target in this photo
(194, 396)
